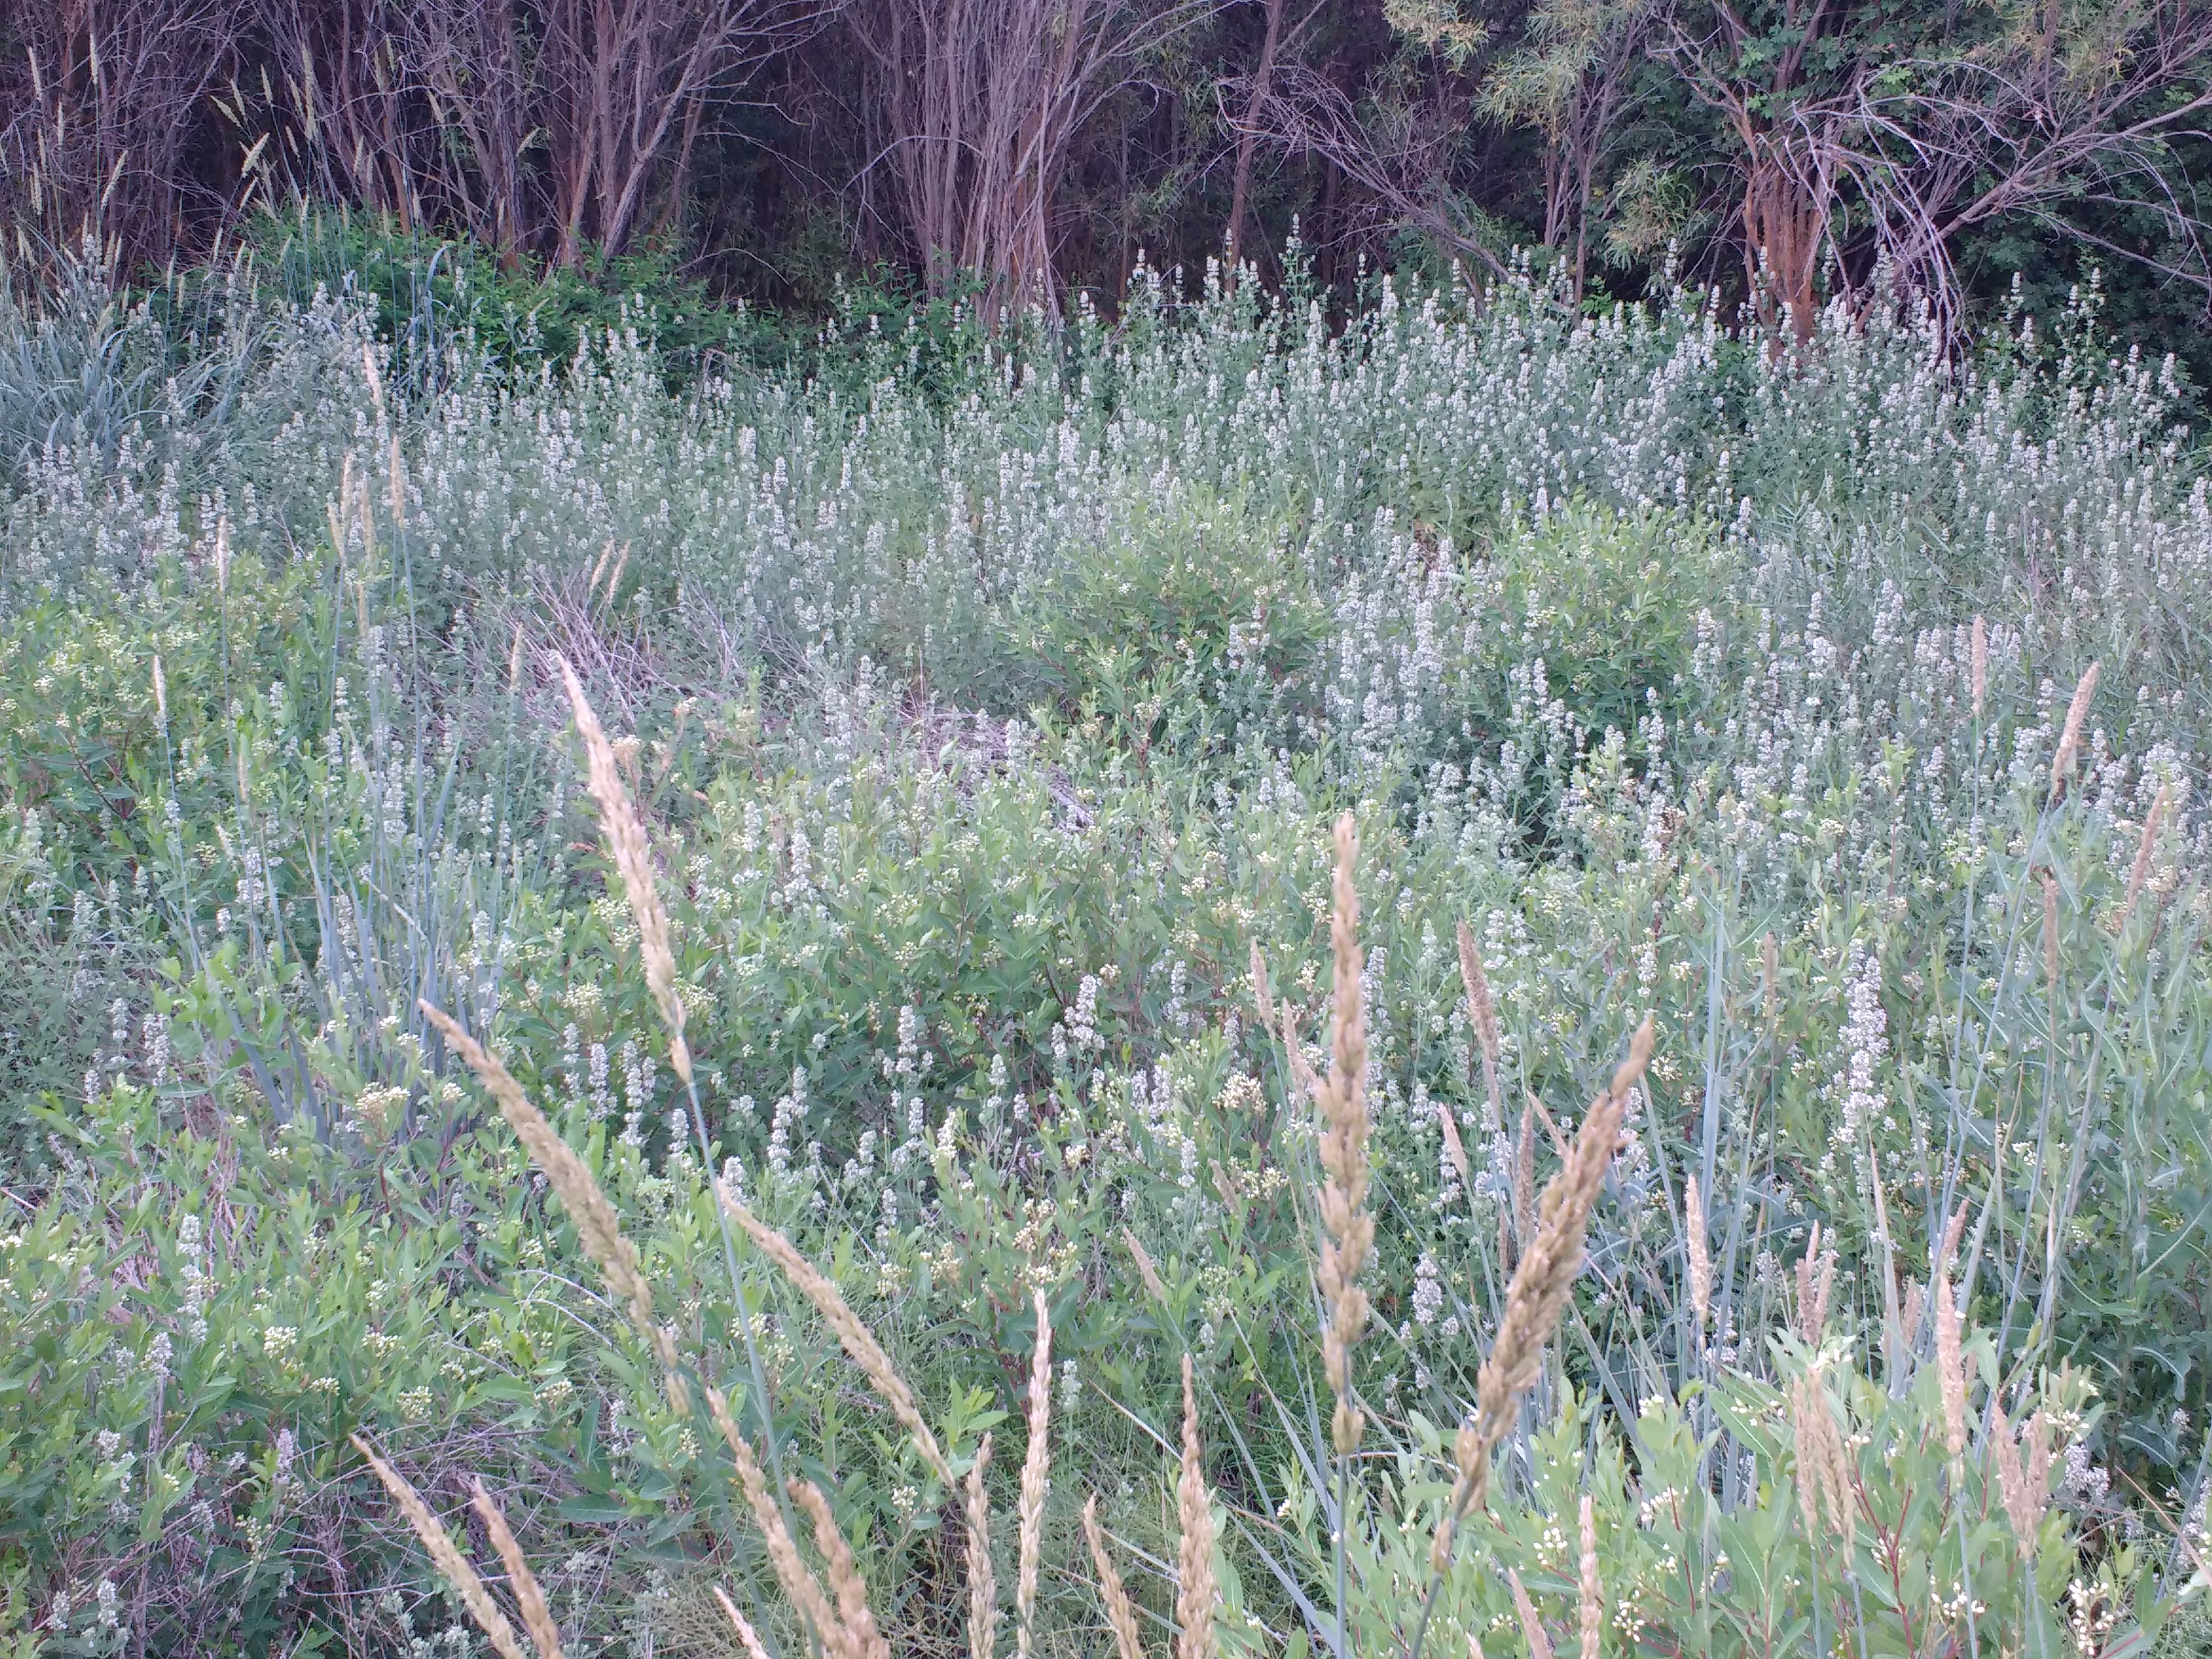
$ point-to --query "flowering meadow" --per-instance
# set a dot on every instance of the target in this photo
(1492, 979)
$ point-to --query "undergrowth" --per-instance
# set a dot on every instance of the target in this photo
(1164, 834)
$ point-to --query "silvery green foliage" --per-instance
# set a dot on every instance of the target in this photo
(128, 425)
(810, 523)
(858, 509)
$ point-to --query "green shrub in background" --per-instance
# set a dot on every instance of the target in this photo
(428, 296)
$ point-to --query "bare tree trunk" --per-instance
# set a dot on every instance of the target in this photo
(1557, 197)
(93, 147)
(1785, 226)
(620, 78)
(1247, 138)
(471, 56)
(983, 100)
(348, 81)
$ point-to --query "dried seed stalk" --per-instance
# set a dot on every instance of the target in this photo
(746, 1634)
(1342, 1098)
(1146, 1270)
(1121, 1612)
(598, 1229)
(1950, 1358)
(1485, 1016)
(982, 1583)
(863, 1638)
(1524, 1175)
(858, 1341)
(2069, 736)
(1036, 1466)
(1824, 1477)
(1455, 1149)
(446, 1555)
(800, 1587)
(2138, 873)
(2024, 1485)
(1816, 1278)
(1261, 999)
(1195, 1588)
(1532, 1628)
(1591, 1593)
(2051, 931)
(1539, 1291)
(1700, 1259)
(633, 859)
(529, 1599)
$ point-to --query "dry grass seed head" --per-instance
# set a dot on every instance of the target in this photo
(633, 859)
(1541, 1285)
(1481, 1011)
(1261, 999)
(1036, 1466)
(800, 1587)
(1146, 1270)
(1841, 1484)
(862, 1636)
(2051, 931)
(748, 1636)
(1121, 1611)
(1804, 1439)
(2069, 736)
(1950, 1334)
(1699, 1257)
(1823, 1465)
(446, 1556)
(1195, 1588)
(529, 1599)
(1524, 1175)
(1916, 1306)
(1532, 1627)
(1454, 1148)
(2146, 851)
(1591, 1598)
(1342, 1099)
(1816, 1276)
(859, 1343)
(2012, 1481)
(599, 1228)
(982, 1582)
(2024, 1485)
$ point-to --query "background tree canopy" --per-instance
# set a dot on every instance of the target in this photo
(1778, 150)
